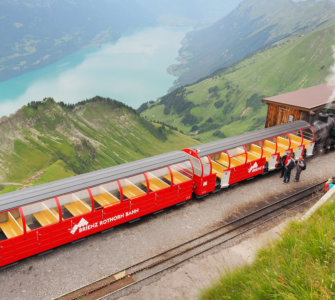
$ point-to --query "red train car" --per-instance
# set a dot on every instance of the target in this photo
(39, 218)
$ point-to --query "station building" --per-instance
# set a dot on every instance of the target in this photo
(302, 104)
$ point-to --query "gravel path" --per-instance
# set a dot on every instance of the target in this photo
(72, 266)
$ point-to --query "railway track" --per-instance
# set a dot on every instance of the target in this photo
(119, 284)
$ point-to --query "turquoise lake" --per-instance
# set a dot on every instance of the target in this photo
(132, 70)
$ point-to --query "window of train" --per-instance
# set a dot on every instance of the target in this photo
(75, 204)
(10, 224)
(158, 179)
(236, 151)
(239, 155)
(308, 134)
(197, 165)
(134, 186)
(182, 172)
(106, 194)
(41, 214)
(215, 156)
(206, 165)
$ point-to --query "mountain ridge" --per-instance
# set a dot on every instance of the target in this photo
(228, 102)
(74, 139)
(252, 26)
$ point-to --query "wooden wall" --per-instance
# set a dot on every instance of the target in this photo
(278, 114)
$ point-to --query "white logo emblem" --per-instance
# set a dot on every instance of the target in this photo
(253, 168)
(82, 223)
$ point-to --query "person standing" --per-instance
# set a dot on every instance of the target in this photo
(289, 165)
(328, 185)
(301, 165)
(283, 162)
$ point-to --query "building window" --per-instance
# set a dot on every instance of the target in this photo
(290, 118)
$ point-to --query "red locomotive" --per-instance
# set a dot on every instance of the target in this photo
(39, 218)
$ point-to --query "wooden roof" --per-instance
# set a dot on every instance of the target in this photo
(304, 99)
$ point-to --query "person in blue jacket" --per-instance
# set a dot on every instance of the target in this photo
(330, 183)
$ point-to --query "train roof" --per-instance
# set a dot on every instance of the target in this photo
(248, 138)
(60, 187)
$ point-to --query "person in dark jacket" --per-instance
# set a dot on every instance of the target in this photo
(289, 165)
(283, 161)
(301, 165)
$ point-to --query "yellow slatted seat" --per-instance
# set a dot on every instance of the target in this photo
(252, 156)
(45, 217)
(218, 169)
(295, 138)
(282, 141)
(223, 160)
(177, 177)
(270, 146)
(131, 191)
(267, 154)
(155, 184)
(106, 199)
(281, 149)
(234, 162)
(11, 228)
(19, 220)
(77, 208)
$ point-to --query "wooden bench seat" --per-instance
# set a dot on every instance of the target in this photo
(156, 184)
(11, 228)
(295, 138)
(255, 151)
(234, 162)
(177, 177)
(298, 139)
(267, 153)
(294, 145)
(255, 148)
(270, 146)
(106, 199)
(282, 141)
(281, 149)
(223, 160)
(77, 208)
(19, 221)
(46, 217)
(131, 191)
(218, 169)
(252, 156)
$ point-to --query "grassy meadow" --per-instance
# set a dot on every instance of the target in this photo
(228, 102)
(300, 265)
(51, 141)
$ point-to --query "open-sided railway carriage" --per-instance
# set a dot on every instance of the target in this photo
(39, 218)
(238, 158)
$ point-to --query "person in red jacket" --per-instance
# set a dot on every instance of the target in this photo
(289, 165)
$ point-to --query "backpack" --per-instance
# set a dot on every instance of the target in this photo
(291, 165)
(304, 166)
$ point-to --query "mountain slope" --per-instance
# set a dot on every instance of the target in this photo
(229, 102)
(73, 139)
(253, 25)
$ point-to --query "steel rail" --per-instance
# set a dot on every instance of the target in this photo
(146, 269)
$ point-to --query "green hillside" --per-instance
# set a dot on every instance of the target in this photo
(45, 141)
(229, 102)
(253, 25)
